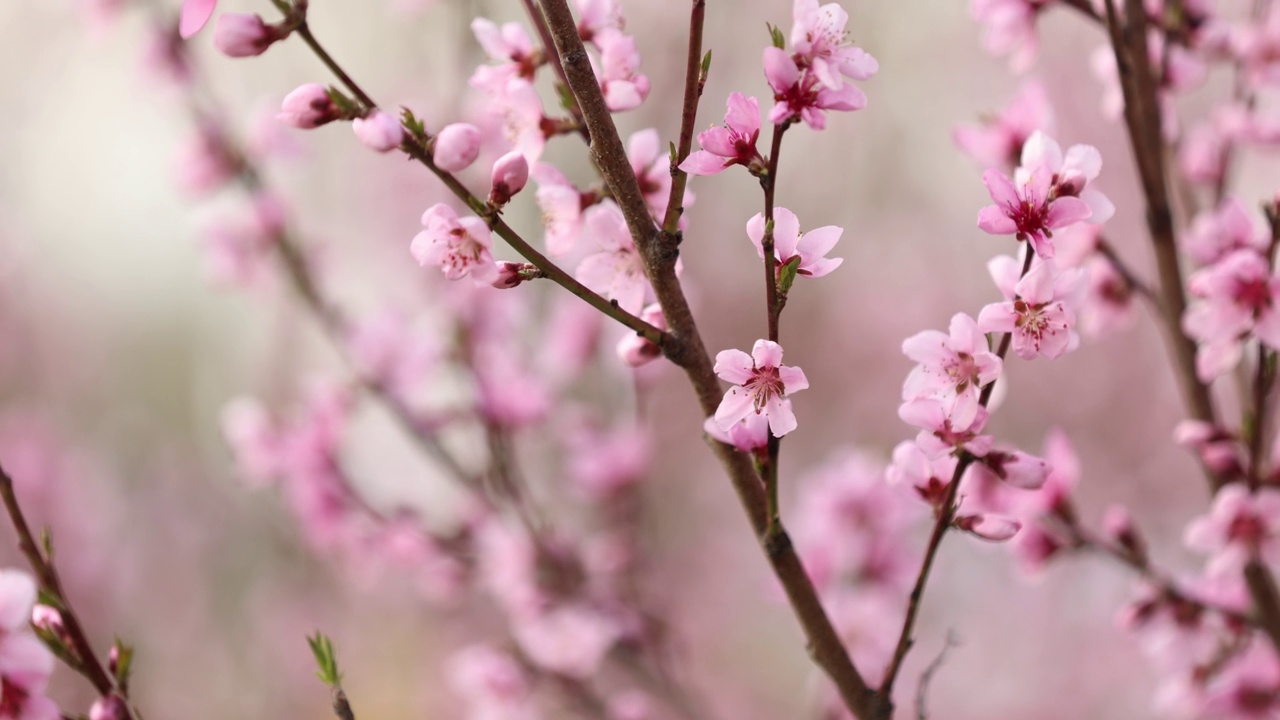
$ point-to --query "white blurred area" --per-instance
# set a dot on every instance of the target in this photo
(99, 258)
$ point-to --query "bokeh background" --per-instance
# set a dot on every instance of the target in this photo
(117, 356)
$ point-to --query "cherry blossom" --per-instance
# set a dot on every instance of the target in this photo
(801, 96)
(1242, 525)
(1026, 209)
(1072, 172)
(460, 246)
(762, 385)
(624, 87)
(820, 42)
(634, 349)
(25, 662)
(732, 144)
(953, 367)
(1218, 232)
(997, 141)
(750, 435)
(788, 243)
(1234, 297)
(561, 205)
(195, 15)
(510, 173)
(1035, 310)
(1010, 29)
(616, 271)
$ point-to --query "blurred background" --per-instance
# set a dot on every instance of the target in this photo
(118, 355)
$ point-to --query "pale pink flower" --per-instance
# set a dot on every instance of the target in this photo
(788, 243)
(762, 384)
(308, 106)
(508, 44)
(597, 16)
(997, 141)
(1035, 309)
(1219, 450)
(569, 640)
(617, 271)
(1026, 209)
(1010, 29)
(750, 435)
(929, 476)
(1232, 298)
(519, 106)
(510, 173)
(943, 428)
(652, 168)
(456, 146)
(460, 246)
(195, 15)
(378, 131)
(732, 144)
(25, 662)
(1242, 525)
(108, 707)
(624, 87)
(1259, 49)
(387, 347)
(561, 205)
(634, 349)
(1217, 233)
(492, 682)
(1072, 172)
(241, 35)
(1108, 303)
(953, 368)
(820, 43)
(1247, 688)
(801, 96)
(1014, 468)
(1202, 155)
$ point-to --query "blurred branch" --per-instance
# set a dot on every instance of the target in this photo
(695, 78)
(926, 677)
(41, 562)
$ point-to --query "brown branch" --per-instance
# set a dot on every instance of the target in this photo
(341, 707)
(659, 253)
(47, 576)
(693, 84)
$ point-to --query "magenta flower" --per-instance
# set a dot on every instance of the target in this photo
(1027, 210)
(789, 242)
(1232, 298)
(460, 246)
(953, 368)
(195, 15)
(998, 141)
(801, 96)
(616, 272)
(762, 386)
(1034, 310)
(733, 144)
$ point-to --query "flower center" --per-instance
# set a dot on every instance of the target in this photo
(765, 384)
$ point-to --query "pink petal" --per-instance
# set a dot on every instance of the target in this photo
(793, 379)
(1040, 149)
(734, 366)
(1001, 189)
(736, 405)
(781, 419)
(755, 231)
(701, 162)
(780, 70)
(928, 347)
(743, 115)
(1066, 211)
(993, 220)
(719, 141)
(786, 233)
(195, 15)
(767, 354)
(998, 317)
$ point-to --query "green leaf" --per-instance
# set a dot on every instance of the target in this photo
(415, 126)
(565, 95)
(344, 103)
(706, 64)
(322, 649)
(779, 40)
(787, 274)
(123, 663)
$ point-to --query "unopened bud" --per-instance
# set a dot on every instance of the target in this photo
(456, 146)
(108, 707)
(378, 131)
(309, 106)
(510, 173)
(511, 274)
(244, 35)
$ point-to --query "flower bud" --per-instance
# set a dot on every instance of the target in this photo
(995, 528)
(378, 131)
(1118, 526)
(635, 350)
(244, 35)
(456, 146)
(108, 707)
(308, 106)
(47, 618)
(511, 274)
(510, 173)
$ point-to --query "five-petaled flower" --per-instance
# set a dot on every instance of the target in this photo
(762, 385)
(789, 242)
(460, 246)
(733, 144)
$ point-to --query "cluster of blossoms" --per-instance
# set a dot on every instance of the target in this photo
(25, 662)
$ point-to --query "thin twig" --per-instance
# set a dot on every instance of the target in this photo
(693, 84)
(926, 677)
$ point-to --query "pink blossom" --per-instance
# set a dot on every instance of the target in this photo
(1248, 687)
(1218, 449)
(510, 173)
(1027, 210)
(597, 16)
(308, 106)
(762, 385)
(750, 435)
(604, 462)
(624, 87)
(1014, 467)
(241, 35)
(252, 436)
(634, 349)
(820, 43)
(1232, 298)
(788, 243)
(492, 682)
(195, 15)
(652, 168)
(1010, 29)
(569, 640)
(800, 96)
(460, 246)
(953, 368)
(1217, 233)
(1242, 525)
(519, 106)
(207, 163)
(929, 476)
(25, 662)
(378, 131)
(456, 146)
(947, 426)
(733, 144)
(997, 141)
(1259, 49)
(512, 274)
(561, 205)
(398, 354)
(988, 526)
(616, 272)
(509, 44)
(1035, 310)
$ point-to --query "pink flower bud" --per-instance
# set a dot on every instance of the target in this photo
(457, 146)
(510, 173)
(1118, 526)
(243, 35)
(995, 528)
(108, 707)
(378, 131)
(635, 350)
(308, 106)
(511, 274)
(47, 618)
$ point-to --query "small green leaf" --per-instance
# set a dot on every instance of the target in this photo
(565, 95)
(706, 64)
(46, 542)
(673, 153)
(787, 274)
(322, 649)
(779, 40)
(346, 105)
(123, 662)
(415, 126)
